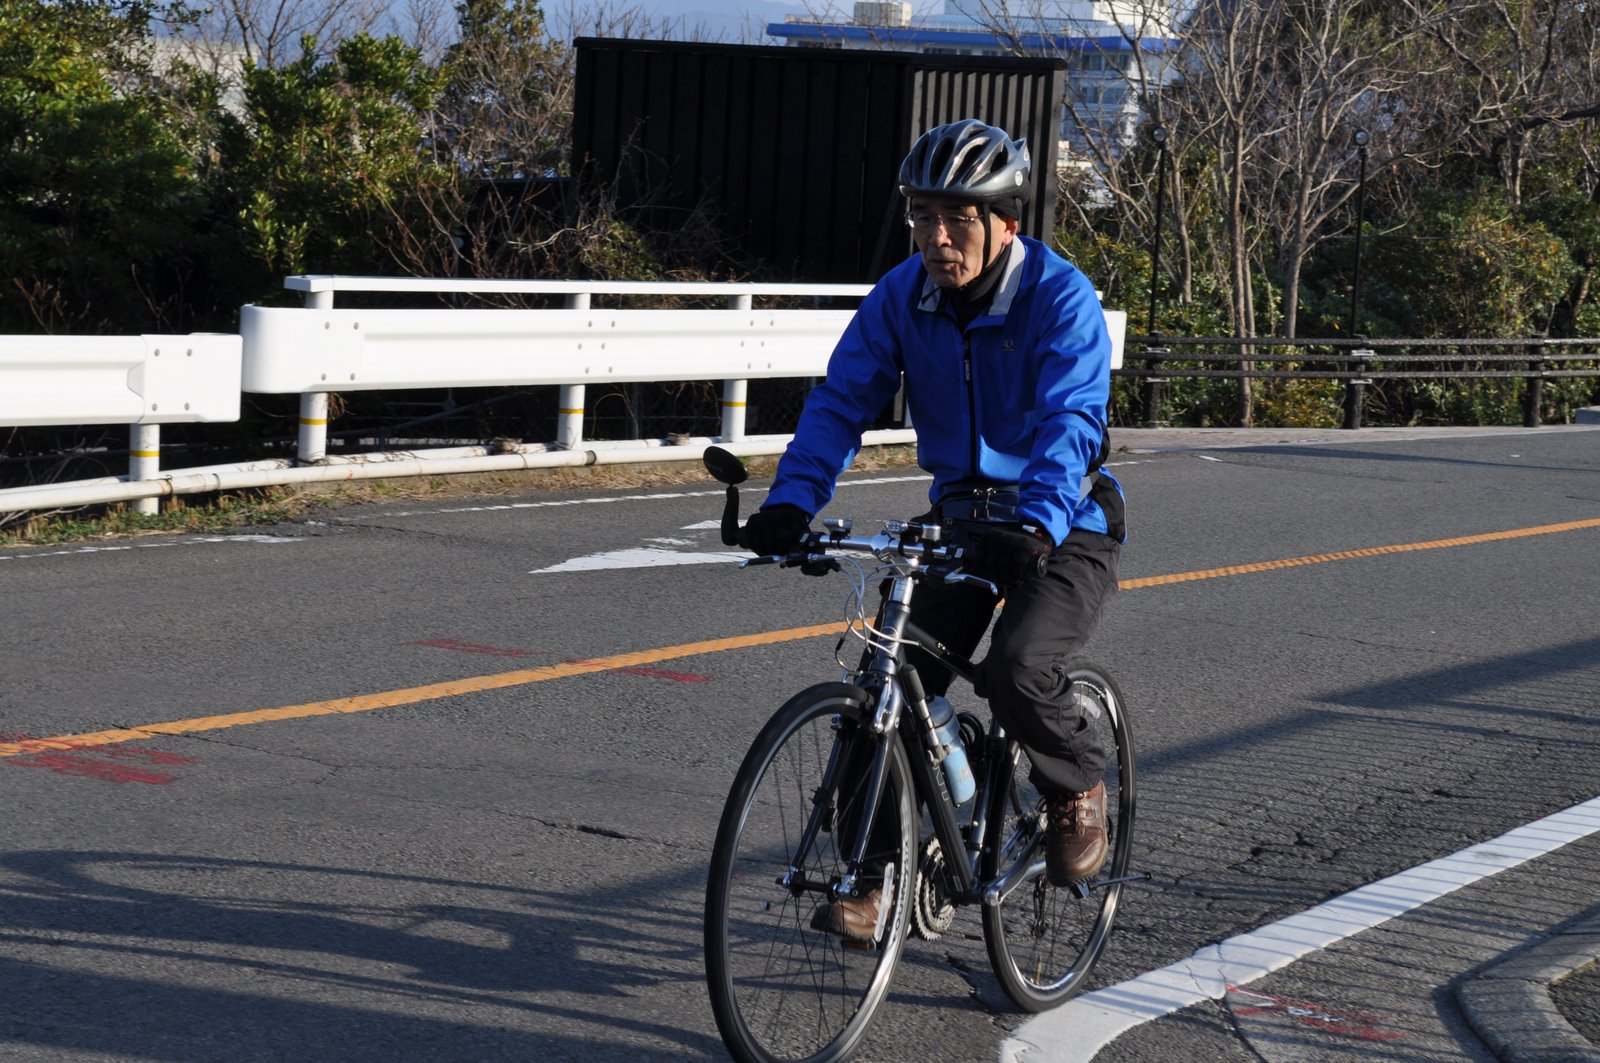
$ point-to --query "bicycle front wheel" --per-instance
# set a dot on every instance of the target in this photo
(780, 989)
(1043, 940)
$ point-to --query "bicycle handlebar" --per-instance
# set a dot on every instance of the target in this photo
(922, 544)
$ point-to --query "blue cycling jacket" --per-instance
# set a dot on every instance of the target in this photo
(1020, 397)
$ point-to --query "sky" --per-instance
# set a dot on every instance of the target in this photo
(730, 21)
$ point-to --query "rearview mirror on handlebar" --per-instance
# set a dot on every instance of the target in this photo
(725, 467)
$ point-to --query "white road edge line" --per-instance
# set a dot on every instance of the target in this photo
(190, 540)
(658, 495)
(1076, 1031)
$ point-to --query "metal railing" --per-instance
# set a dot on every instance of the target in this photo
(319, 349)
(1358, 361)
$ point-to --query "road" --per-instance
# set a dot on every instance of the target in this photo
(437, 781)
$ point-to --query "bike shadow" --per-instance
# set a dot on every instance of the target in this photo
(150, 956)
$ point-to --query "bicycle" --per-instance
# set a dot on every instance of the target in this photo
(825, 806)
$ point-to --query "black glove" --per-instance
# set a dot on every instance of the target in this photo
(774, 530)
(1005, 554)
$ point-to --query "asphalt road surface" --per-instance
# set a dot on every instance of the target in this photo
(439, 781)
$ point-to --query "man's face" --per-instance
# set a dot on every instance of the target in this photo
(950, 237)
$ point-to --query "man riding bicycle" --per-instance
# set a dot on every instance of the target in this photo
(1006, 362)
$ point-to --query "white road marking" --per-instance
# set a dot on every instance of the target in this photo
(267, 540)
(653, 556)
(504, 506)
(1084, 1025)
(640, 558)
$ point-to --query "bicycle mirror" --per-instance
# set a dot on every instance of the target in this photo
(725, 467)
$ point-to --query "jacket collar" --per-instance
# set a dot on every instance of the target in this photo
(1010, 281)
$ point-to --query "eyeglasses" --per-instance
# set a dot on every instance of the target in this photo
(926, 221)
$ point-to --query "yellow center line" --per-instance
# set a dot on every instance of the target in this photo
(388, 699)
(1346, 555)
(475, 684)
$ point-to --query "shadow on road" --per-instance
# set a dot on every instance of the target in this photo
(145, 956)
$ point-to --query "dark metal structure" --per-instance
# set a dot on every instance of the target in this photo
(795, 149)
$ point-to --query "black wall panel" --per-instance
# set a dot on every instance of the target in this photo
(796, 149)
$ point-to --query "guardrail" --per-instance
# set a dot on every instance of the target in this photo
(141, 381)
(576, 346)
(1360, 362)
(321, 349)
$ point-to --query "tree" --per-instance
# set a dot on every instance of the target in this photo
(1519, 72)
(507, 107)
(268, 32)
(98, 197)
(332, 168)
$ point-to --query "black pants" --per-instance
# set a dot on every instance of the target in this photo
(1045, 620)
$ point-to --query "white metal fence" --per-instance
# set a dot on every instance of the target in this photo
(320, 349)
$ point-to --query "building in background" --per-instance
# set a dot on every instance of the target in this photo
(1113, 50)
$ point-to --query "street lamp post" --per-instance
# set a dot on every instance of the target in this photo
(1159, 135)
(1361, 139)
(1152, 382)
(1356, 387)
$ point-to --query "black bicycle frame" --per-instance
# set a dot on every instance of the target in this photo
(889, 702)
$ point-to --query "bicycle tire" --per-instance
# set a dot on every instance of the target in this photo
(781, 990)
(1043, 940)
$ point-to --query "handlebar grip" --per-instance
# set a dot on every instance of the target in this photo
(749, 562)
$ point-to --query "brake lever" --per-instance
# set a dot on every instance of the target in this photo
(771, 559)
(966, 577)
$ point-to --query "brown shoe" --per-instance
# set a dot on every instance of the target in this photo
(1075, 841)
(854, 919)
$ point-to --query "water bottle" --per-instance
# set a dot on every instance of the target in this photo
(957, 771)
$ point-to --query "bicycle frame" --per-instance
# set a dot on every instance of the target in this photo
(883, 678)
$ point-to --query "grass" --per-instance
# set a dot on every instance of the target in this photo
(193, 514)
(227, 510)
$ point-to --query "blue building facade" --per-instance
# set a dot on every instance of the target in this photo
(1112, 56)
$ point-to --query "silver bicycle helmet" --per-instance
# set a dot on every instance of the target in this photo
(969, 160)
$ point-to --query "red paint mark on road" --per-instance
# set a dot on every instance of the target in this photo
(457, 646)
(1353, 1024)
(69, 758)
(660, 673)
(471, 647)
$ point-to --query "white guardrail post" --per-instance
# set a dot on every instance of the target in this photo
(144, 462)
(311, 445)
(735, 393)
(569, 407)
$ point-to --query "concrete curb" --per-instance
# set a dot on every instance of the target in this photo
(1508, 1002)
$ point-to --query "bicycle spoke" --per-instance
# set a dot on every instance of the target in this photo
(781, 989)
(1043, 940)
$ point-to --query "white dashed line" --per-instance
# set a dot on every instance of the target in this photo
(269, 540)
(662, 495)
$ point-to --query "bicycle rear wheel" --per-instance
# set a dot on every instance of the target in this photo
(1044, 940)
(781, 990)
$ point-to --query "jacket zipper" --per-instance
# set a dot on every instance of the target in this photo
(972, 403)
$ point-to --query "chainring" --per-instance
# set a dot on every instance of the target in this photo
(932, 911)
